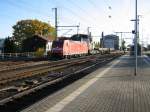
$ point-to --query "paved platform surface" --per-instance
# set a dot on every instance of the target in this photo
(112, 88)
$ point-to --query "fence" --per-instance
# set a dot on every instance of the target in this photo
(26, 55)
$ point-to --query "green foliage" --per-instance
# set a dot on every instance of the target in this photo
(40, 52)
(96, 44)
(123, 45)
(28, 28)
(10, 46)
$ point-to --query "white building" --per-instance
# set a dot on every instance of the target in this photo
(48, 46)
(48, 43)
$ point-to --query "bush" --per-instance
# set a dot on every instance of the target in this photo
(40, 52)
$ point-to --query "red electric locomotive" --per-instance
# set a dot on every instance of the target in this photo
(69, 47)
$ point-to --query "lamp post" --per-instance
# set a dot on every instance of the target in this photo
(135, 32)
(135, 43)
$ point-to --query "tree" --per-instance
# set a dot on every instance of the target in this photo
(28, 28)
(123, 45)
(9, 46)
(97, 45)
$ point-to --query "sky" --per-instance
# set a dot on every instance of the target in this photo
(106, 16)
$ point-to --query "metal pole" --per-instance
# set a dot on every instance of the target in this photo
(102, 41)
(135, 46)
(78, 28)
(88, 28)
(121, 41)
(121, 38)
(138, 25)
(88, 31)
(56, 28)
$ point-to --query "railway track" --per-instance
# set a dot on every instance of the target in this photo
(64, 70)
(13, 66)
(35, 71)
(8, 66)
(15, 74)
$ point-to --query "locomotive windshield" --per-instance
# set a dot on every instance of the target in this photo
(57, 44)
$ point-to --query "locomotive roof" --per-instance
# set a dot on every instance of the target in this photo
(79, 37)
(63, 38)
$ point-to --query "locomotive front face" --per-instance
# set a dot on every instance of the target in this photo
(57, 48)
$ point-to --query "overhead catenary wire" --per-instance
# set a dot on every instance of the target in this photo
(66, 19)
(82, 10)
(35, 10)
(21, 6)
(74, 18)
(82, 19)
(92, 19)
(96, 7)
(76, 14)
(107, 8)
(71, 12)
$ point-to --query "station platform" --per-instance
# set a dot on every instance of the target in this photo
(111, 88)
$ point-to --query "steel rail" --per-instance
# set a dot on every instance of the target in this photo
(49, 82)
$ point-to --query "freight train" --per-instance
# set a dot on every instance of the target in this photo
(67, 47)
(77, 45)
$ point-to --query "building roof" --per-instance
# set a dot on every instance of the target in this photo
(79, 37)
(48, 38)
(111, 36)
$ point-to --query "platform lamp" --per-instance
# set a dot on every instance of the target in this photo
(135, 37)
